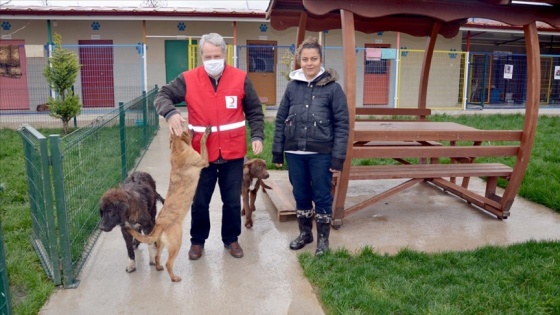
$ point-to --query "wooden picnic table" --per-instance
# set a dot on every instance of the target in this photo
(419, 147)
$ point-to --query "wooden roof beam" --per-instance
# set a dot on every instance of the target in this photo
(426, 65)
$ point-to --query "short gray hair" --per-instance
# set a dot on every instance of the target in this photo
(214, 39)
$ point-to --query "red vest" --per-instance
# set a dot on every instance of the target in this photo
(223, 110)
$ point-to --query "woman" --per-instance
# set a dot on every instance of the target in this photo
(312, 130)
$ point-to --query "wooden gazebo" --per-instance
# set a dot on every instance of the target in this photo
(425, 18)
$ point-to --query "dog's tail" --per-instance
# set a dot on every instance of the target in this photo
(160, 198)
(148, 239)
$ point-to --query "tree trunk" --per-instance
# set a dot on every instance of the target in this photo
(65, 126)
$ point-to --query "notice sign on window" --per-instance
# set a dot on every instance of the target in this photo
(557, 73)
(508, 71)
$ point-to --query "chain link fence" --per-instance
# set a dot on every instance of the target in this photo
(83, 164)
(387, 77)
(108, 72)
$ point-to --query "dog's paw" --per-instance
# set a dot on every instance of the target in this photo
(176, 279)
(152, 249)
(249, 224)
(131, 266)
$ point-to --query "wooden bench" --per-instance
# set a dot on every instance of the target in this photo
(281, 198)
(429, 171)
(435, 173)
(436, 142)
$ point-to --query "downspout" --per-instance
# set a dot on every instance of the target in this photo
(235, 61)
(144, 57)
(49, 48)
(467, 85)
(397, 62)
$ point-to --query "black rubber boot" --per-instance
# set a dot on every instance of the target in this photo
(305, 223)
(323, 231)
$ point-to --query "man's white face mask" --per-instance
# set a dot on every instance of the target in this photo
(214, 67)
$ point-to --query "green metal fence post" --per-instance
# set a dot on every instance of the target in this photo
(49, 211)
(145, 120)
(62, 213)
(5, 302)
(37, 167)
(31, 179)
(155, 110)
(122, 125)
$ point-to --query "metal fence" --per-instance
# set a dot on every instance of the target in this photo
(458, 80)
(108, 73)
(83, 164)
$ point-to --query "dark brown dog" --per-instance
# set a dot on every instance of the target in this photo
(42, 107)
(252, 169)
(133, 202)
(186, 164)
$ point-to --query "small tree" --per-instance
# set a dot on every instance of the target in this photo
(61, 75)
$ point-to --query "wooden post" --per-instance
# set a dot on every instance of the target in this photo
(300, 35)
(531, 114)
(349, 46)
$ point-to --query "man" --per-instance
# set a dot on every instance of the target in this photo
(220, 96)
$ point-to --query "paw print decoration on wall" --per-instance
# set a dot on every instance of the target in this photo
(6, 26)
(95, 26)
(181, 26)
(263, 28)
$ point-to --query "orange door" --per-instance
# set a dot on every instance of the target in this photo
(96, 58)
(261, 68)
(13, 75)
(376, 78)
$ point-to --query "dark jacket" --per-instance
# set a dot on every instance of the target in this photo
(313, 116)
(176, 90)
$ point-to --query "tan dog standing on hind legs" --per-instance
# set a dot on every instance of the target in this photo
(186, 164)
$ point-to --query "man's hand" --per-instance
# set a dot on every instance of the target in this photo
(176, 123)
(257, 146)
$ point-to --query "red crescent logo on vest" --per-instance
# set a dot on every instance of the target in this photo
(231, 102)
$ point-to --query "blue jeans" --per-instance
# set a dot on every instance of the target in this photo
(311, 180)
(229, 177)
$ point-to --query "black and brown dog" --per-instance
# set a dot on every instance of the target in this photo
(134, 201)
(253, 169)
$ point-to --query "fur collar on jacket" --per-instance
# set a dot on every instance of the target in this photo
(324, 77)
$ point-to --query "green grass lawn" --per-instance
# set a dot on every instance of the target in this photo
(518, 279)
